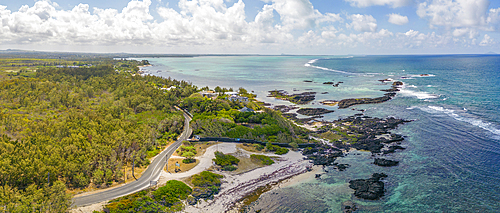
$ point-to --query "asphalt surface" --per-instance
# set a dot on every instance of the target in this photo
(152, 173)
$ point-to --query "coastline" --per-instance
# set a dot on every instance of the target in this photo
(236, 187)
(270, 188)
(288, 170)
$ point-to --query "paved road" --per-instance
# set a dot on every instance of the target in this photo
(152, 173)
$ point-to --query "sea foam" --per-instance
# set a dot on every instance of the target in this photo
(455, 114)
(418, 94)
(309, 64)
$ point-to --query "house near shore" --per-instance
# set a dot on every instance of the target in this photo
(237, 98)
(230, 93)
(168, 89)
(246, 109)
(209, 94)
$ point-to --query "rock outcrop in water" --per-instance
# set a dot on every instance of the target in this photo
(364, 133)
(388, 96)
(284, 108)
(385, 162)
(371, 188)
(345, 103)
(313, 111)
(302, 98)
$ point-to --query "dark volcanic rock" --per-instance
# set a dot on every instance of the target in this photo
(355, 101)
(202, 192)
(367, 130)
(388, 96)
(302, 98)
(293, 117)
(370, 189)
(397, 83)
(349, 207)
(392, 149)
(284, 108)
(308, 81)
(393, 89)
(342, 167)
(385, 162)
(322, 155)
(191, 200)
(313, 111)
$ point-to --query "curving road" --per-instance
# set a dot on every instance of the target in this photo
(152, 173)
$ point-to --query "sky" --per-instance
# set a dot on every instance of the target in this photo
(317, 27)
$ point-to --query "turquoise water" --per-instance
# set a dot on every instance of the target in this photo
(452, 160)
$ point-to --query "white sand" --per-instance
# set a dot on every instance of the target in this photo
(89, 208)
(235, 187)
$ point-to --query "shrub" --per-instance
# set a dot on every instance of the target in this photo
(189, 160)
(172, 189)
(259, 147)
(225, 160)
(265, 160)
(281, 151)
(206, 179)
(229, 168)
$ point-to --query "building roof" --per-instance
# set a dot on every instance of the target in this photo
(246, 109)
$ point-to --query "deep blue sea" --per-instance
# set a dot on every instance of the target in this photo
(452, 160)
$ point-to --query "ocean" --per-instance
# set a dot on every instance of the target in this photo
(452, 158)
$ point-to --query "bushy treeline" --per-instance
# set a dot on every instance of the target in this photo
(165, 199)
(81, 125)
(220, 118)
(226, 161)
(168, 198)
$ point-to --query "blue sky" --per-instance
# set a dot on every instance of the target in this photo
(336, 27)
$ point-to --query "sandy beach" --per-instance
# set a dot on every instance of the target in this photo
(236, 186)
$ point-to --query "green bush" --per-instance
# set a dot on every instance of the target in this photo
(173, 188)
(225, 160)
(189, 160)
(259, 147)
(265, 160)
(229, 168)
(281, 151)
(206, 179)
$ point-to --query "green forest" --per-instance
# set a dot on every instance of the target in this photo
(67, 128)
(63, 129)
(221, 118)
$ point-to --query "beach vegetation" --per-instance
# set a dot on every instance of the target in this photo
(226, 161)
(224, 121)
(166, 198)
(276, 149)
(81, 127)
(261, 159)
(206, 179)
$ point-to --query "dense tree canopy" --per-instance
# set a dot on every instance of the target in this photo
(81, 125)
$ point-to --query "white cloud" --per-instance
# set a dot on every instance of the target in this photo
(222, 26)
(329, 33)
(367, 3)
(459, 13)
(296, 14)
(362, 23)
(487, 41)
(469, 32)
(397, 19)
(494, 17)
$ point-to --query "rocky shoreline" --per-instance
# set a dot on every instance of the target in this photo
(371, 188)
(301, 98)
(345, 103)
(313, 111)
